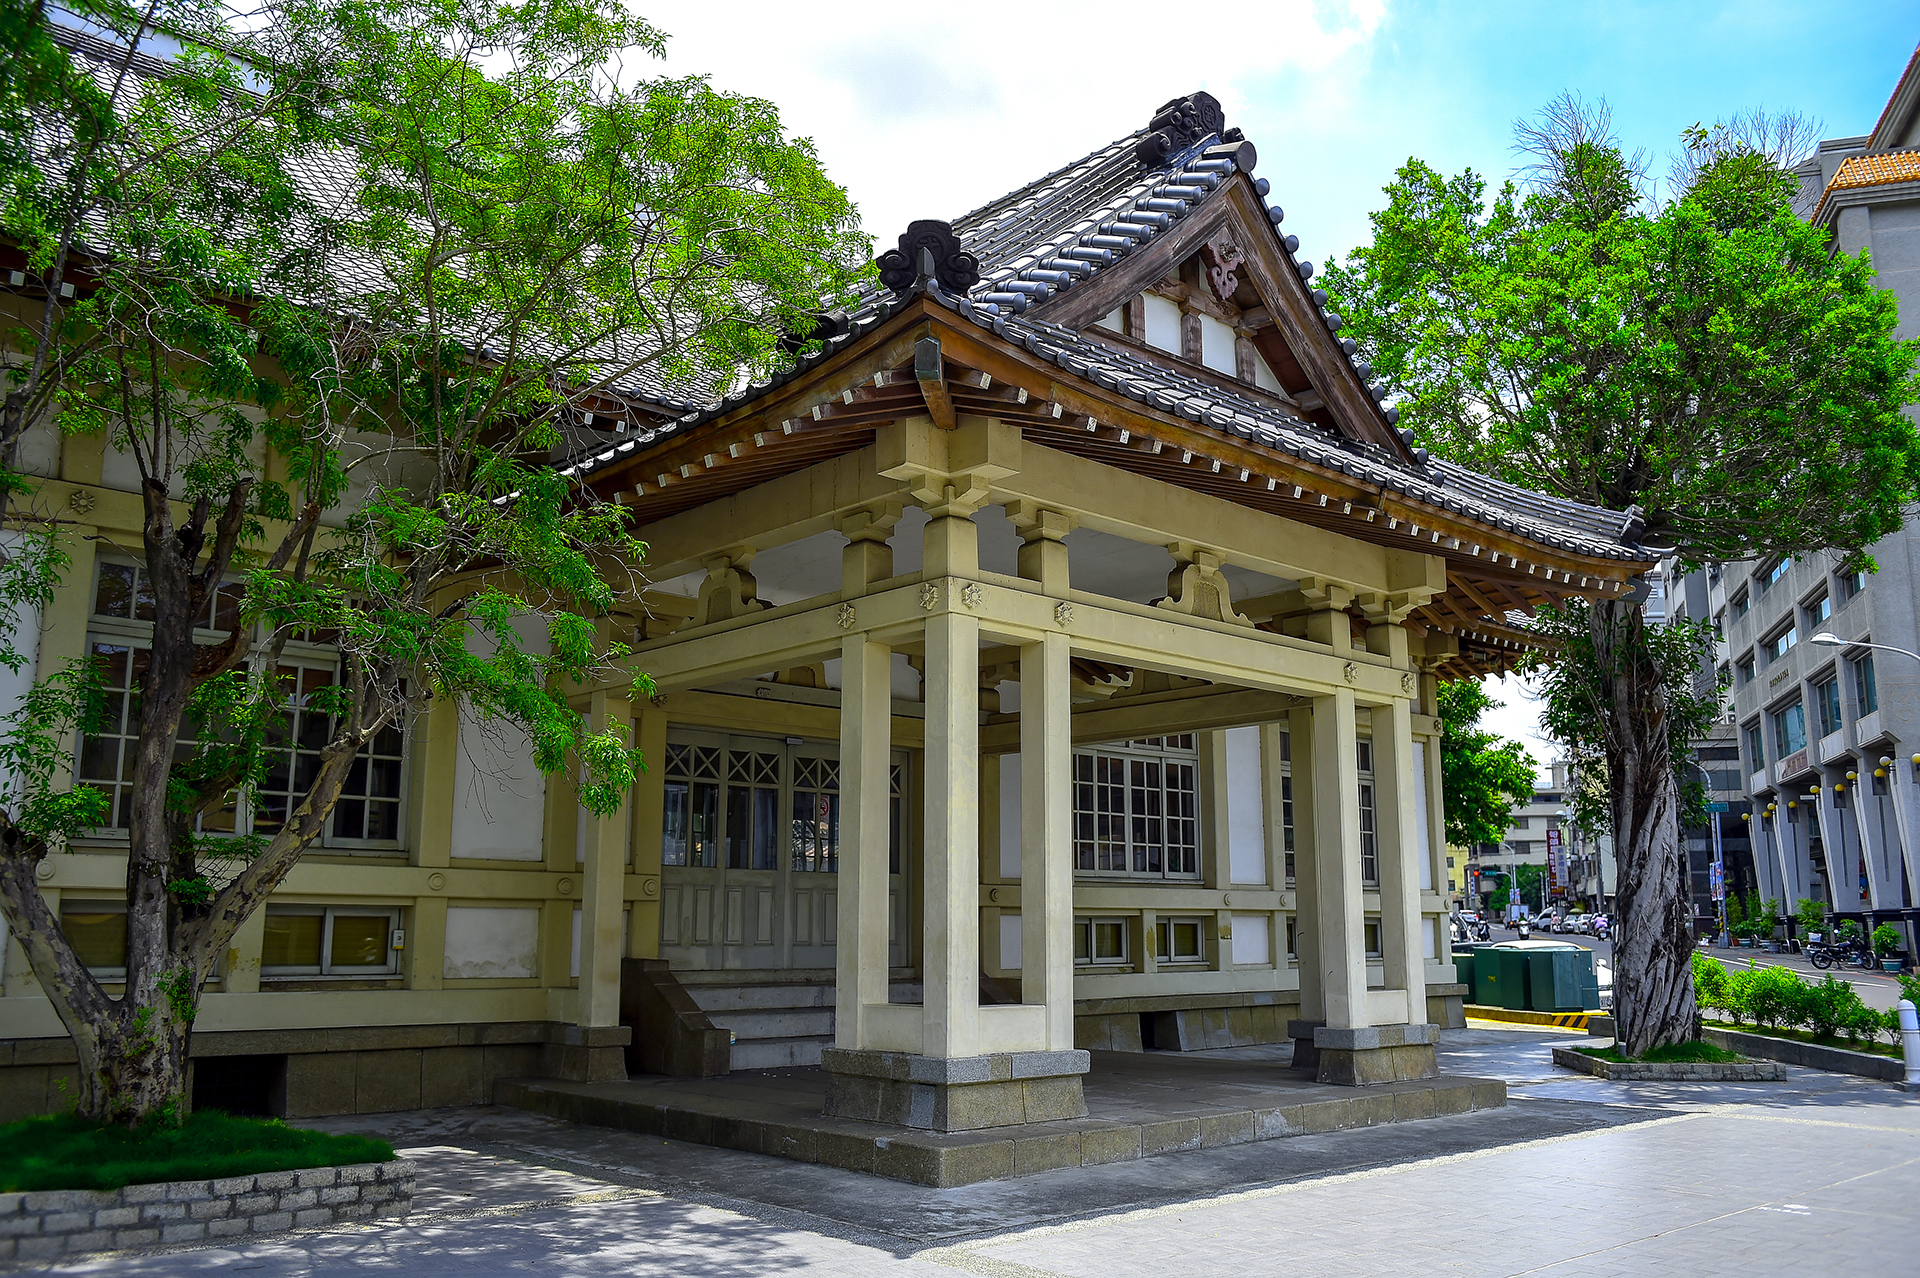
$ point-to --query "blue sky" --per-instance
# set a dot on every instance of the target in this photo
(929, 111)
(921, 115)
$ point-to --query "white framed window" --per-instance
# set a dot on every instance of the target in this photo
(97, 931)
(329, 940)
(1781, 643)
(1100, 942)
(1372, 933)
(369, 815)
(1369, 836)
(1135, 808)
(1182, 940)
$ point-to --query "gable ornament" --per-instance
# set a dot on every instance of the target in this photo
(1178, 125)
(1223, 258)
(929, 250)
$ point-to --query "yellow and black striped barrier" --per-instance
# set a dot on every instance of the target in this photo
(1550, 1020)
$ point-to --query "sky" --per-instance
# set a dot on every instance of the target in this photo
(931, 112)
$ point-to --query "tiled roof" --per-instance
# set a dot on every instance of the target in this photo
(1881, 168)
(1070, 225)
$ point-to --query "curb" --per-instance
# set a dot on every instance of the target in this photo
(1552, 1020)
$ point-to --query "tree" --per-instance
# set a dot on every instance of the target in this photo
(1706, 365)
(346, 277)
(1530, 884)
(1482, 778)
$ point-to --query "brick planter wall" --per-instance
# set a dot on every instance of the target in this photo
(1670, 1071)
(58, 1222)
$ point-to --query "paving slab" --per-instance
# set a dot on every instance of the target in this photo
(1139, 1105)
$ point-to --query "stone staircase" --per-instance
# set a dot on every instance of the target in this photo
(775, 1023)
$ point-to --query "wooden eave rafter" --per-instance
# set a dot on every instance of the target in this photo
(880, 379)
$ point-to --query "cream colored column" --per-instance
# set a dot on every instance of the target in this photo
(436, 742)
(427, 944)
(1306, 837)
(1046, 835)
(1216, 833)
(1397, 839)
(598, 1000)
(952, 834)
(1340, 938)
(242, 972)
(648, 805)
(860, 956)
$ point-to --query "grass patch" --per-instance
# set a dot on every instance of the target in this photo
(1872, 1047)
(1694, 1053)
(68, 1152)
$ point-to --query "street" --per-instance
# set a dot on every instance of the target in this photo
(1575, 1176)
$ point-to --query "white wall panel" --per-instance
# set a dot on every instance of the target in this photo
(1246, 807)
(487, 942)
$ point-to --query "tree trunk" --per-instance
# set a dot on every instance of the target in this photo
(1653, 947)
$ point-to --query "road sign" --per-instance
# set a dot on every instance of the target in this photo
(1716, 807)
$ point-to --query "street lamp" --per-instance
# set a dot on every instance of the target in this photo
(1827, 639)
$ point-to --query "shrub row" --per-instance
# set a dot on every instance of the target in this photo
(1777, 997)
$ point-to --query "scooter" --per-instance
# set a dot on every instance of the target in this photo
(1526, 929)
(1602, 932)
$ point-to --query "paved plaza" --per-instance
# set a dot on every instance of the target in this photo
(1574, 1176)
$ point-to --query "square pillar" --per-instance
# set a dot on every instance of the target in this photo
(860, 955)
(951, 837)
(1046, 836)
(1399, 823)
(950, 1064)
(594, 1046)
(1306, 883)
(1339, 922)
(603, 876)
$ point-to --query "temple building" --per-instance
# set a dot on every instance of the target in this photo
(1046, 662)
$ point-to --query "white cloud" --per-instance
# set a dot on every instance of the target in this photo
(1518, 718)
(933, 113)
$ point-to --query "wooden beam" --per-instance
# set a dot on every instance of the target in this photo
(930, 370)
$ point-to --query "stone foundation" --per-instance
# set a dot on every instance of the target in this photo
(47, 1224)
(961, 1094)
(1362, 1057)
(370, 1069)
(1670, 1071)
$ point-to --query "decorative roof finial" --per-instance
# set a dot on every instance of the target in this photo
(1178, 125)
(929, 249)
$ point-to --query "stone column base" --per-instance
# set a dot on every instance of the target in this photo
(959, 1094)
(1305, 1054)
(585, 1054)
(1376, 1054)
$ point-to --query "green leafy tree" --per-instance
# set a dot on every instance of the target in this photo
(1482, 778)
(345, 278)
(1706, 365)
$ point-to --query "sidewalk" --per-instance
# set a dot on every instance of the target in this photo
(1592, 1179)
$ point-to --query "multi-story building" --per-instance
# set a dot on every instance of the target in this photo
(1493, 865)
(1724, 834)
(1827, 732)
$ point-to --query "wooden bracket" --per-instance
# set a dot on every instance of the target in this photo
(929, 368)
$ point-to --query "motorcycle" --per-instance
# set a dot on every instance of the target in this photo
(1526, 929)
(1845, 953)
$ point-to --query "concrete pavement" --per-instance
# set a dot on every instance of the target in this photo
(1575, 1176)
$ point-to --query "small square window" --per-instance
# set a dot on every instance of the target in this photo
(1740, 605)
(97, 930)
(1819, 609)
(1181, 941)
(1373, 940)
(1746, 669)
(1100, 942)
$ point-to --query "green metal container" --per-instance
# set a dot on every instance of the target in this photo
(1561, 981)
(1500, 978)
(1463, 964)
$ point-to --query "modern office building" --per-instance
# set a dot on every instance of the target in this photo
(1828, 736)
